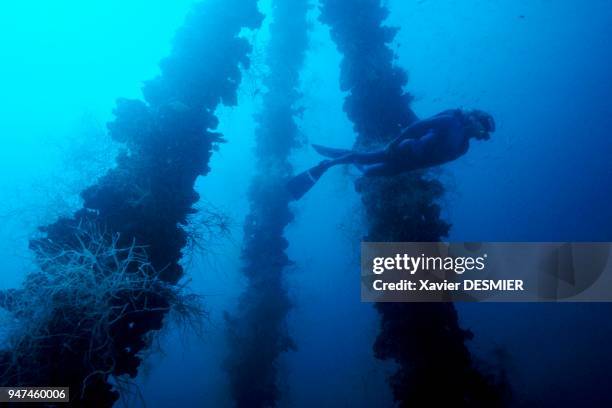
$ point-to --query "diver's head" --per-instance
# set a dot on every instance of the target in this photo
(480, 124)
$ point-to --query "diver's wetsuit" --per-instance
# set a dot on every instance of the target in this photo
(430, 142)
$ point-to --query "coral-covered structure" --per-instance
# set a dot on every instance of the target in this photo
(434, 365)
(257, 332)
(141, 203)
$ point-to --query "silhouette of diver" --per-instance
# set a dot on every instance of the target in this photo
(426, 143)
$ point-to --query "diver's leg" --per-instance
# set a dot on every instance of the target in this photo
(330, 152)
(358, 158)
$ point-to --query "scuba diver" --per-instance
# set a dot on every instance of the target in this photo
(426, 143)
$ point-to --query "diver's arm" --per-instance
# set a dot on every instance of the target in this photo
(429, 139)
(423, 128)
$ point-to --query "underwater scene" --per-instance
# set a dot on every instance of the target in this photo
(186, 186)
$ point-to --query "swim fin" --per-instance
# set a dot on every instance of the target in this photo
(303, 182)
(330, 151)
